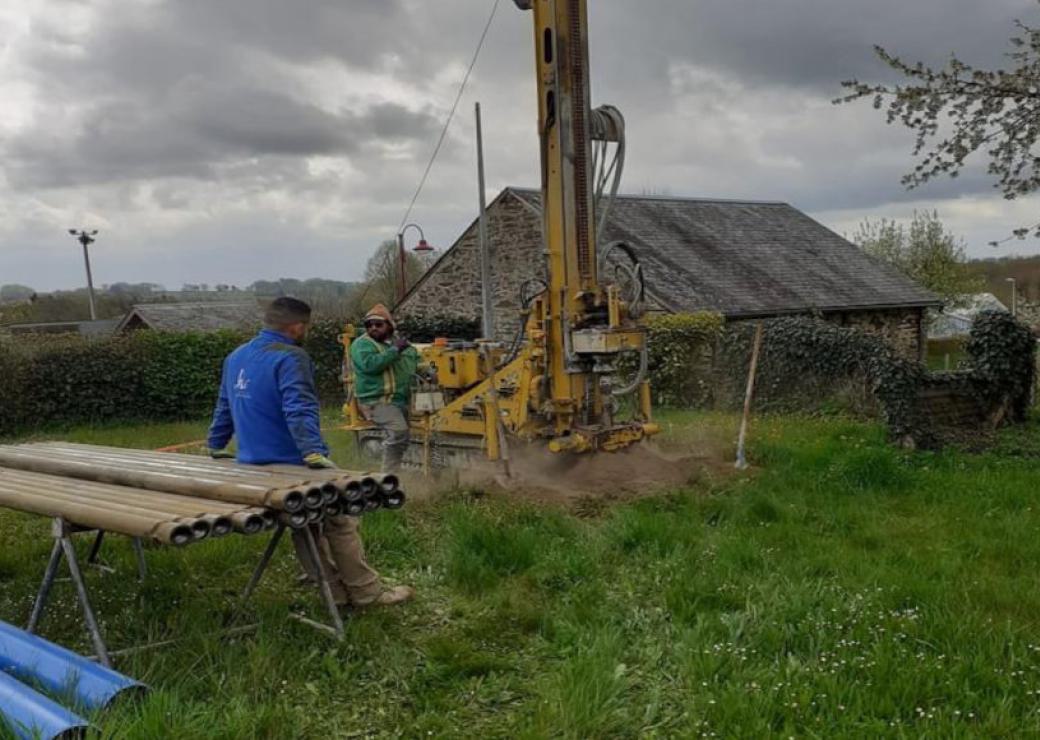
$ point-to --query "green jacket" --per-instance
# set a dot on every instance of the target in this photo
(381, 373)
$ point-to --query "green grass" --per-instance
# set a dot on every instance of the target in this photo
(841, 588)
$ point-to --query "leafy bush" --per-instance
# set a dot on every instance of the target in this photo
(681, 348)
(427, 328)
(1002, 359)
(158, 376)
(805, 361)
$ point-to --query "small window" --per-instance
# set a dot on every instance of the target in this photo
(547, 46)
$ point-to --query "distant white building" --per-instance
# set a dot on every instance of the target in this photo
(954, 323)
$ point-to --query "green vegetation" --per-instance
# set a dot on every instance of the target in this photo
(925, 252)
(1024, 270)
(159, 376)
(843, 588)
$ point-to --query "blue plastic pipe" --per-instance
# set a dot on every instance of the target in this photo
(58, 671)
(30, 715)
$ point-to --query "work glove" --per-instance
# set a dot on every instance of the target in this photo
(318, 461)
(401, 344)
(221, 455)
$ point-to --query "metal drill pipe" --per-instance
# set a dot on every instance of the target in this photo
(354, 492)
(201, 527)
(160, 462)
(352, 507)
(394, 499)
(160, 530)
(248, 522)
(339, 476)
(295, 519)
(83, 467)
(172, 503)
(242, 493)
(179, 508)
(296, 475)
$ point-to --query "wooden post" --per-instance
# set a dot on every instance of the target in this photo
(741, 463)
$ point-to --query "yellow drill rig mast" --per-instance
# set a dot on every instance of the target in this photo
(556, 384)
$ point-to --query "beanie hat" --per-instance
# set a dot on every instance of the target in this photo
(379, 312)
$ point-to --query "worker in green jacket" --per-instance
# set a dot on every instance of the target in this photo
(384, 366)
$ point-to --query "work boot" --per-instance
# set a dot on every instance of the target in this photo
(391, 597)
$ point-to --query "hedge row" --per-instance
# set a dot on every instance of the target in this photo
(806, 362)
(694, 360)
(157, 376)
(61, 381)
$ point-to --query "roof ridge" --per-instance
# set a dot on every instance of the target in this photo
(674, 198)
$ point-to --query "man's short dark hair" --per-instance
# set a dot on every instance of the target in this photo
(287, 311)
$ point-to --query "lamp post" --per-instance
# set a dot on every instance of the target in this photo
(1014, 296)
(86, 238)
(423, 247)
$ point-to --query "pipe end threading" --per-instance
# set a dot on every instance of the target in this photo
(390, 483)
(314, 515)
(181, 535)
(293, 501)
(353, 491)
(313, 498)
(394, 499)
(369, 486)
(221, 527)
(200, 529)
(372, 504)
(329, 493)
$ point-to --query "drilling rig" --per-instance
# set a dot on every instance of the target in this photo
(559, 383)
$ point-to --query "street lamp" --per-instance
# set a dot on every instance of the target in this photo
(1014, 296)
(423, 247)
(86, 238)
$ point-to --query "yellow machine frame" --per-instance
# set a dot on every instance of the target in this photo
(555, 389)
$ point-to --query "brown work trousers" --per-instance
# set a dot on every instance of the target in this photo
(351, 578)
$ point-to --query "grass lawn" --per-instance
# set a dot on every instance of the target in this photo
(842, 588)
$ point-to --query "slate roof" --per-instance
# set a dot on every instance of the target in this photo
(748, 258)
(97, 328)
(193, 316)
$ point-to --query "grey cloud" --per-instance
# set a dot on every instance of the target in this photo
(190, 110)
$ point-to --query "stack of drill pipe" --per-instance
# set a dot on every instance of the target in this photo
(186, 475)
(52, 496)
(321, 487)
(362, 492)
(334, 490)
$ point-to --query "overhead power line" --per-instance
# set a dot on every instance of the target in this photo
(451, 116)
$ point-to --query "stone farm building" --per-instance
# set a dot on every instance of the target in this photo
(178, 317)
(742, 259)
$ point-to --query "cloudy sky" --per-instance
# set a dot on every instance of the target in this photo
(233, 140)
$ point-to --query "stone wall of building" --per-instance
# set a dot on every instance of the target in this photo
(453, 286)
(902, 328)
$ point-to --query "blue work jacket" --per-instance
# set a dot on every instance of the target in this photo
(268, 402)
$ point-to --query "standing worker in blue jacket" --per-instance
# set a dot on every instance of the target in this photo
(269, 403)
(384, 366)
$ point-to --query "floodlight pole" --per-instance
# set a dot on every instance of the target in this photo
(1014, 296)
(402, 258)
(86, 238)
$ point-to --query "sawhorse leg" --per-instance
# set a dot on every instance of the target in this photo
(62, 531)
(336, 630)
(95, 551)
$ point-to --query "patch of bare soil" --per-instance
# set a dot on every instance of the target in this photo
(581, 482)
